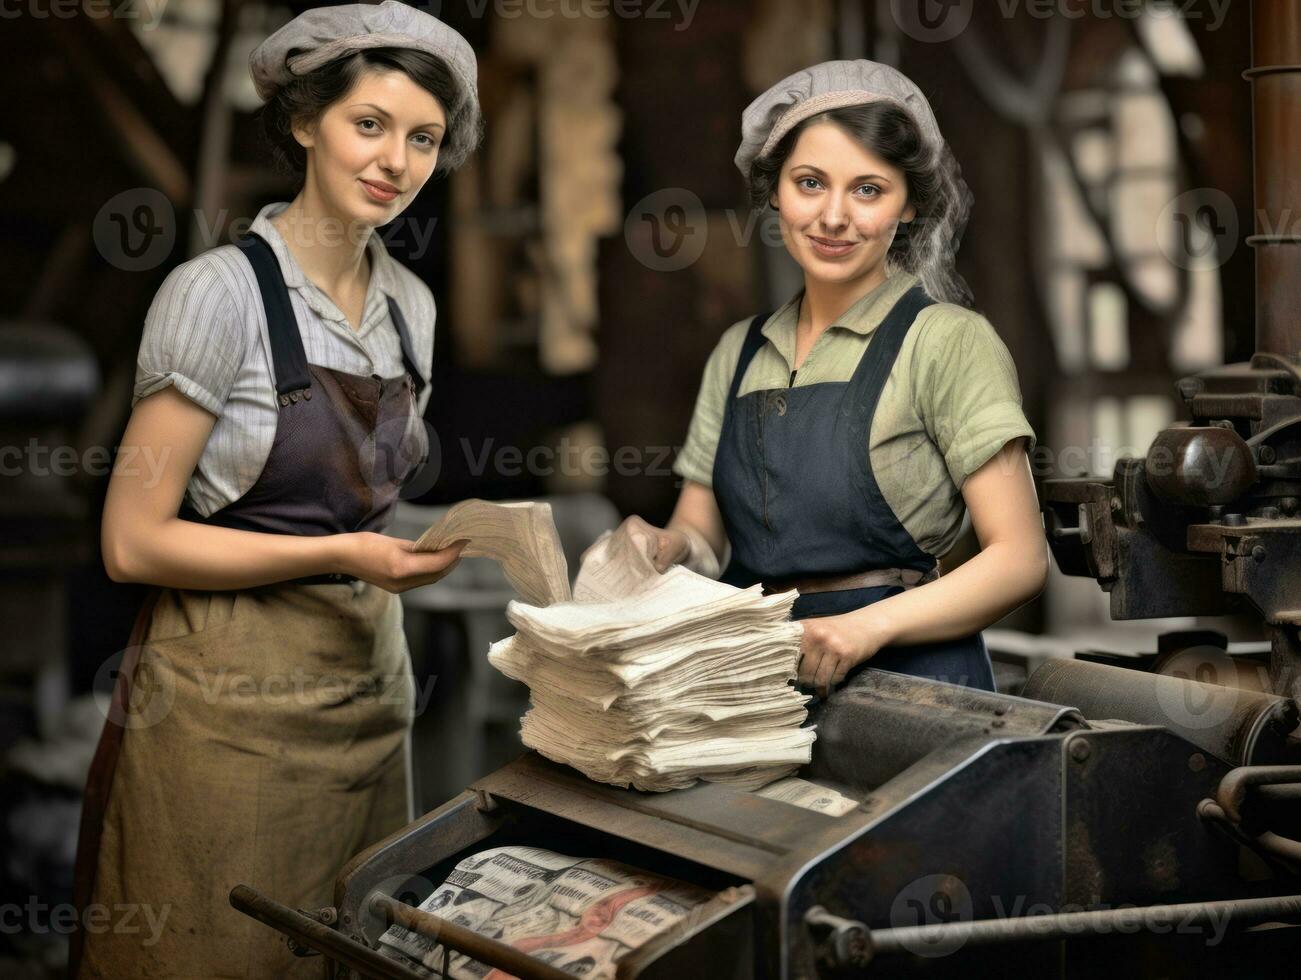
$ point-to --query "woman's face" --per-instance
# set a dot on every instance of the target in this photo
(385, 133)
(838, 205)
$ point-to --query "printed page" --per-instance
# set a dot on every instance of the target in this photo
(579, 914)
(811, 796)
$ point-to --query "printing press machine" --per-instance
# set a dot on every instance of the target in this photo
(996, 834)
(1109, 821)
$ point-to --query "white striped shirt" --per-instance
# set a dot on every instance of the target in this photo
(206, 333)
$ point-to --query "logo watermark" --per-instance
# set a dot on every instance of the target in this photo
(938, 21)
(35, 917)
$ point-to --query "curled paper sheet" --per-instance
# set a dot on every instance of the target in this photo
(618, 565)
(521, 536)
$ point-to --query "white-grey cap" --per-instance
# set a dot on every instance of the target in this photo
(830, 85)
(322, 34)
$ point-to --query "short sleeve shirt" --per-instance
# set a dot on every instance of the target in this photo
(949, 404)
(206, 334)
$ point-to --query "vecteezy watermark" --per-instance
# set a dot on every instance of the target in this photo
(931, 21)
(40, 460)
(681, 12)
(944, 899)
(667, 230)
(304, 688)
(937, 21)
(145, 696)
(566, 459)
(1191, 707)
(136, 229)
(392, 456)
(1203, 226)
(148, 12)
(930, 900)
(403, 453)
(148, 695)
(35, 917)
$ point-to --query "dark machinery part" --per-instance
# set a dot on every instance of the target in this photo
(991, 829)
(1209, 521)
(1240, 728)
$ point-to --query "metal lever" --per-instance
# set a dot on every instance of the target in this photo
(462, 940)
(846, 944)
(1269, 782)
(306, 931)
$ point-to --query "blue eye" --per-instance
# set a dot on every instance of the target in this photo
(871, 187)
(805, 181)
(430, 142)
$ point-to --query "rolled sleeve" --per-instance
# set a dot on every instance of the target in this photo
(967, 393)
(193, 339)
(695, 461)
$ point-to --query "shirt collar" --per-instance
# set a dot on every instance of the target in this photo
(381, 270)
(864, 316)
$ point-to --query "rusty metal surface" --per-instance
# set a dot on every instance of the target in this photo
(904, 719)
(709, 823)
(307, 932)
(1131, 831)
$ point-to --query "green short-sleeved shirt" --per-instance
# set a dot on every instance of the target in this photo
(950, 403)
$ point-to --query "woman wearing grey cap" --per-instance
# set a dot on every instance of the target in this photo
(837, 441)
(262, 712)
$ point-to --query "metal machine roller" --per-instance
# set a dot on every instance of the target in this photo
(1238, 727)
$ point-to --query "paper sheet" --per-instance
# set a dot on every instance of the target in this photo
(581, 915)
(521, 536)
(618, 565)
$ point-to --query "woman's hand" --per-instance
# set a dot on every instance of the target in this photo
(392, 563)
(834, 645)
(664, 546)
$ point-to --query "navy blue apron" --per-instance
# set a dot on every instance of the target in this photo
(794, 484)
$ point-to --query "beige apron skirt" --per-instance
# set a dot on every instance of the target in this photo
(260, 737)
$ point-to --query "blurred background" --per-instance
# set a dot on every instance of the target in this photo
(584, 262)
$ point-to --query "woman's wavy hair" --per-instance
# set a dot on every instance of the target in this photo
(926, 246)
(305, 99)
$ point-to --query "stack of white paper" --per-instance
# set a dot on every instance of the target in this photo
(686, 679)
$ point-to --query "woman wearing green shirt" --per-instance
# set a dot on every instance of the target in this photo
(837, 441)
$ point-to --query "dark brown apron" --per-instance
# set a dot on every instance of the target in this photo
(258, 735)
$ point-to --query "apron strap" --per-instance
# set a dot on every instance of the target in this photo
(289, 361)
(404, 335)
(754, 339)
(878, 360)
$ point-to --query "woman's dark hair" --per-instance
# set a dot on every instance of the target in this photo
(305, 99)
(926, 245)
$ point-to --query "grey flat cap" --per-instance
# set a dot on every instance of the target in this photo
(830, 85)
(322, 34)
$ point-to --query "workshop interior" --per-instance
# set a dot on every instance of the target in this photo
(1125, 801)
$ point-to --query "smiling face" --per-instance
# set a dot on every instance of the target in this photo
(372, 150)
(839, 205)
